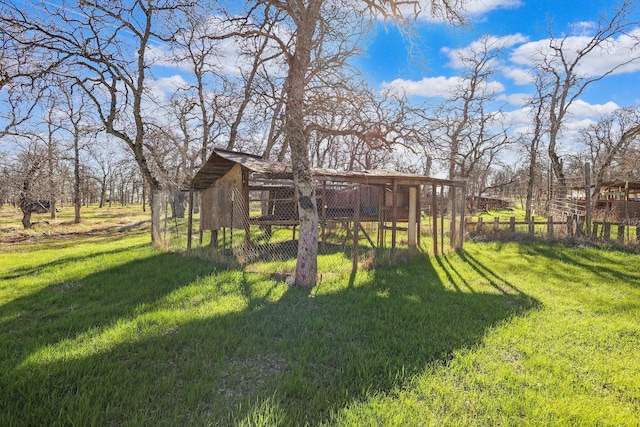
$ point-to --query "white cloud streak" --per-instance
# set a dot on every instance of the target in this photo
(436, 87)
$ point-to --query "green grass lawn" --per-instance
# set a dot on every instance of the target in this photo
(98, 328)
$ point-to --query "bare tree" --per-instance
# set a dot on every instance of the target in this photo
(74, 116)
(463, 132)
(307, 48)
(561, 68)
(105, 48)
(607, 142)
(28, 176)
(533, 141)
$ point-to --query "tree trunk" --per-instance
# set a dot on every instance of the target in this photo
(178, 206)
(103, 191)
(296, 138)
(531, 181)
(26, 218)
(156, 218)
(76, 181)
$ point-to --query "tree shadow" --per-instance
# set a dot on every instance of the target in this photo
(596, 261)
(67, 309)
(293, 355)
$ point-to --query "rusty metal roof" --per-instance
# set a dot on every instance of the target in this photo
(221, 161)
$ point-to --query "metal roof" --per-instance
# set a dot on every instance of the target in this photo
(221, 161)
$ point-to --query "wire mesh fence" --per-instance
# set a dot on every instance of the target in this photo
(354, 221)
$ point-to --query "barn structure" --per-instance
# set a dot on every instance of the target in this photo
(618, 200)
(246, 198)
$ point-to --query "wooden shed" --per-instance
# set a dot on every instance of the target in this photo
(240, 190)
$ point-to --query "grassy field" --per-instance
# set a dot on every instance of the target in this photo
(98, 328)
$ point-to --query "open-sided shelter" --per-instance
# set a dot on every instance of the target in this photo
(240, 191)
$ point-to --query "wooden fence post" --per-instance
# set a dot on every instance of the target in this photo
(434, 208)
(356, 229)
(479, 225)
(579, 226)
(550, 227)
(620, 233)
(190, 224)
(606, 230)
(594, 233)
(587, 189)
(453, 236)
(463, 211)
(512, 224)
(570, 225)
(637, 233)
(532, 225)
(496, 224)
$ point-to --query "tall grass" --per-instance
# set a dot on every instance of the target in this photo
(102, 329)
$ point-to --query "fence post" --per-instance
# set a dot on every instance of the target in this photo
(434, 208)
(190, 223)
(550, 227)
(587, 189)
(512, 224)
(620, 233)
(454, 213)
(532, 225)
(479, 225)
(579, 226)
(570, 225)
(463, 211)
(637, 233)
(594, 233)
(356, 229)
(606, 230)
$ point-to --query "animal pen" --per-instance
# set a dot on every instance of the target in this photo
(249, 205)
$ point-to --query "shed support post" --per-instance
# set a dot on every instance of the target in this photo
(190, 223)
(452, 226)
(411, 228)
(356, 229)
(463, 211)
(394, 213)
(434, 213)
(442, 221)
(418, 214)
(587, 192)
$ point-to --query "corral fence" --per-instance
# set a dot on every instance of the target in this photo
(623, 232)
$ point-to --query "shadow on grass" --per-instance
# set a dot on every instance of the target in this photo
(600, 262)
(288, 357)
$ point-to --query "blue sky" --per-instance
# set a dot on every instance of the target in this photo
(387, 58)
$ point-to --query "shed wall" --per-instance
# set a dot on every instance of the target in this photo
(218, 208)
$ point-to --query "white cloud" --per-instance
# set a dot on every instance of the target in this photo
(516, 99)
(581, 109)
(435, 87)
(471, 8)
(519, 75)
(481, 7)
(583, 28)
(597, 62)
(485, 43)
(162, 88)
